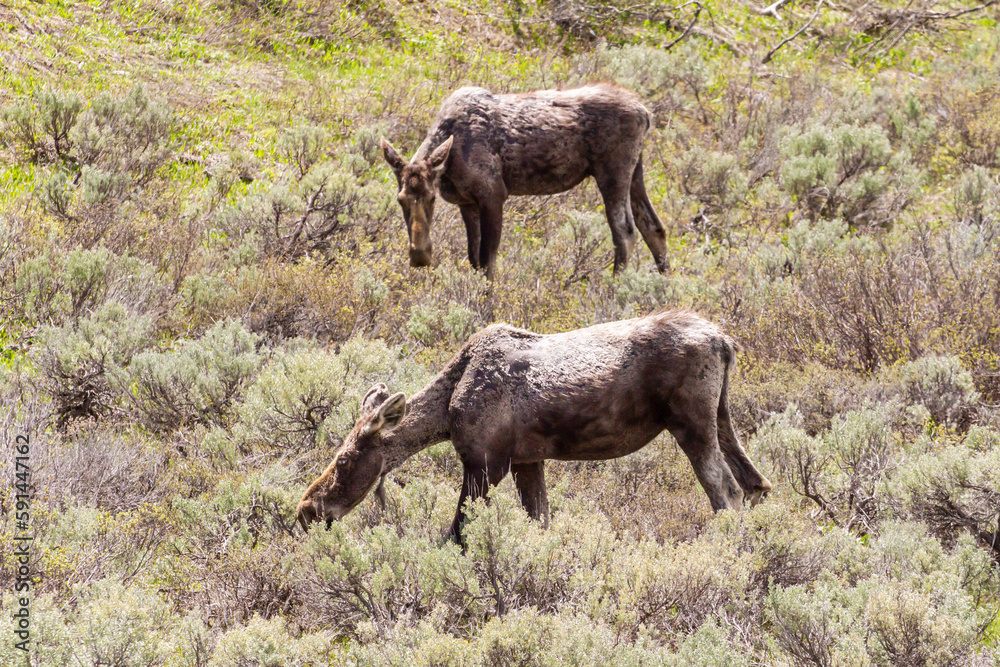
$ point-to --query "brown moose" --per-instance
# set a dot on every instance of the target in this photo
(510, 399)
(483, 148)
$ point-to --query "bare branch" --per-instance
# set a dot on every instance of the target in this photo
(798, 32)
(773, 8)
(687, 30)
(937, 16)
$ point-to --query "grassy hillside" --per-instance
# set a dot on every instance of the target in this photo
(203, 269)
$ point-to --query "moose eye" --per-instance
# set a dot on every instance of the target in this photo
(341, 463)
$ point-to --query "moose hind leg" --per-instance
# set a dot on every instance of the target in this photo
(615, 191)
(755, 486)
(647, 221)
(701, 446)
(529, 478)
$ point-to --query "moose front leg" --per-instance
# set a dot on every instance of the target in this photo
(470, 216)
(701, 445)
(476, 482)
(491, 224)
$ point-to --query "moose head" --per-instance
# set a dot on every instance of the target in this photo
(418, 182)
(359, 464)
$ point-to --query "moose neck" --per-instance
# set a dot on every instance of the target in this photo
(425, 423)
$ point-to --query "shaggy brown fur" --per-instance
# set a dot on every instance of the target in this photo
(483, 148)
(510, 399)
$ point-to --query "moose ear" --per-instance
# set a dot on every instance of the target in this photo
(439, 158)
(375, 396)
(394, 159)
(391, 412)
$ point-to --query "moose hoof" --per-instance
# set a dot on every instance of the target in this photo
(420, 258)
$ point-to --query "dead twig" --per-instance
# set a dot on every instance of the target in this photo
(901, 22)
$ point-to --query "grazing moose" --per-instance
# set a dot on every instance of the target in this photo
(510, 399)
(483, 148)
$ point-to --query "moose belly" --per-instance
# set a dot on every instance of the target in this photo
(588, 435)
(538, 164)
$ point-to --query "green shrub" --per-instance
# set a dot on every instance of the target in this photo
(533, 639)
(126, 137)
(954, 490)
(77, 362)
(52, 639)
(976, 196)
(910, 627)
(302, 147)
(41, 124)
(266, 643)
(99, 467)
(305, 397)
(515, 561)
(312, 212)
(847, 171)
(375, 569)
(433, 327)
(123, 626)
(652, 71)
(942, 385)
(55, 287)
(239, 510)
(842, 469)
(713, 178)
(818, 625)
(229, 548)
(198, 381)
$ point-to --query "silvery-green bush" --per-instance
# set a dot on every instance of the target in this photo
(77, 361)
(305, 396)
(124, 137)
(307, 211)
(954, 490)
(60, 287)
(941, 384)
(849, 171)
(266, 643)
(843, 469)
(108, 624)
(40, 123)
(431, 325)
(197, 381)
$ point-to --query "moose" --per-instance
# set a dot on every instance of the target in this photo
(483, 148)
(512, 399)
